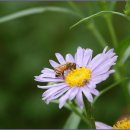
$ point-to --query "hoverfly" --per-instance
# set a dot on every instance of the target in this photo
(67, 66)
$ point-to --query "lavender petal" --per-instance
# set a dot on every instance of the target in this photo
(47, 70)
(100, 78)
(110, 51)
(63, 99)
(94, 92)
(87, 57)
(74, 93)
(40, 79)
(100, 125)
(102, 58)
(69, 58)
(53, 90)
(104, 67)
(57, 95)
(50, 86)
(87, 93)
(60, 58)
(94, 60)
(79, 99)
(79, 56)
(48, 75)
(53, 63)
(91, 85)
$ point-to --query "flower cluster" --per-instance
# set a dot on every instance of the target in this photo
(82, 79)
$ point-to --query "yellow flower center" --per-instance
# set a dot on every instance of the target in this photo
(123, 124)
(78, 77)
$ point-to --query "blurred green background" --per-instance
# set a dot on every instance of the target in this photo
(26, 45)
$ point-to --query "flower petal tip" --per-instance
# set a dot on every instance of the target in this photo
(60, 106)
(38, 86)
(105, 49)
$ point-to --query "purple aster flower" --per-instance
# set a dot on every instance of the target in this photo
(75, 82)
(122, 124)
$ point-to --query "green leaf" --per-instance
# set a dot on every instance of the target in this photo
(72, 122)
(36, 10)
(127, 9)
(126, 55)
(123, 50)
(101, 13)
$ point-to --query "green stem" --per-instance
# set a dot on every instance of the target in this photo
(36, 10)
(111, 29)
(89, 113)
(97, 15)
(78, 112)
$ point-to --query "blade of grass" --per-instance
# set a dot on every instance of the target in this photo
(121, 50)
(127, 8)
(36, 10)
(108, 19)
(96, 15)
(126, 55)
(91, 26)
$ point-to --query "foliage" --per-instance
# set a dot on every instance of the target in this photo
(28, 42)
